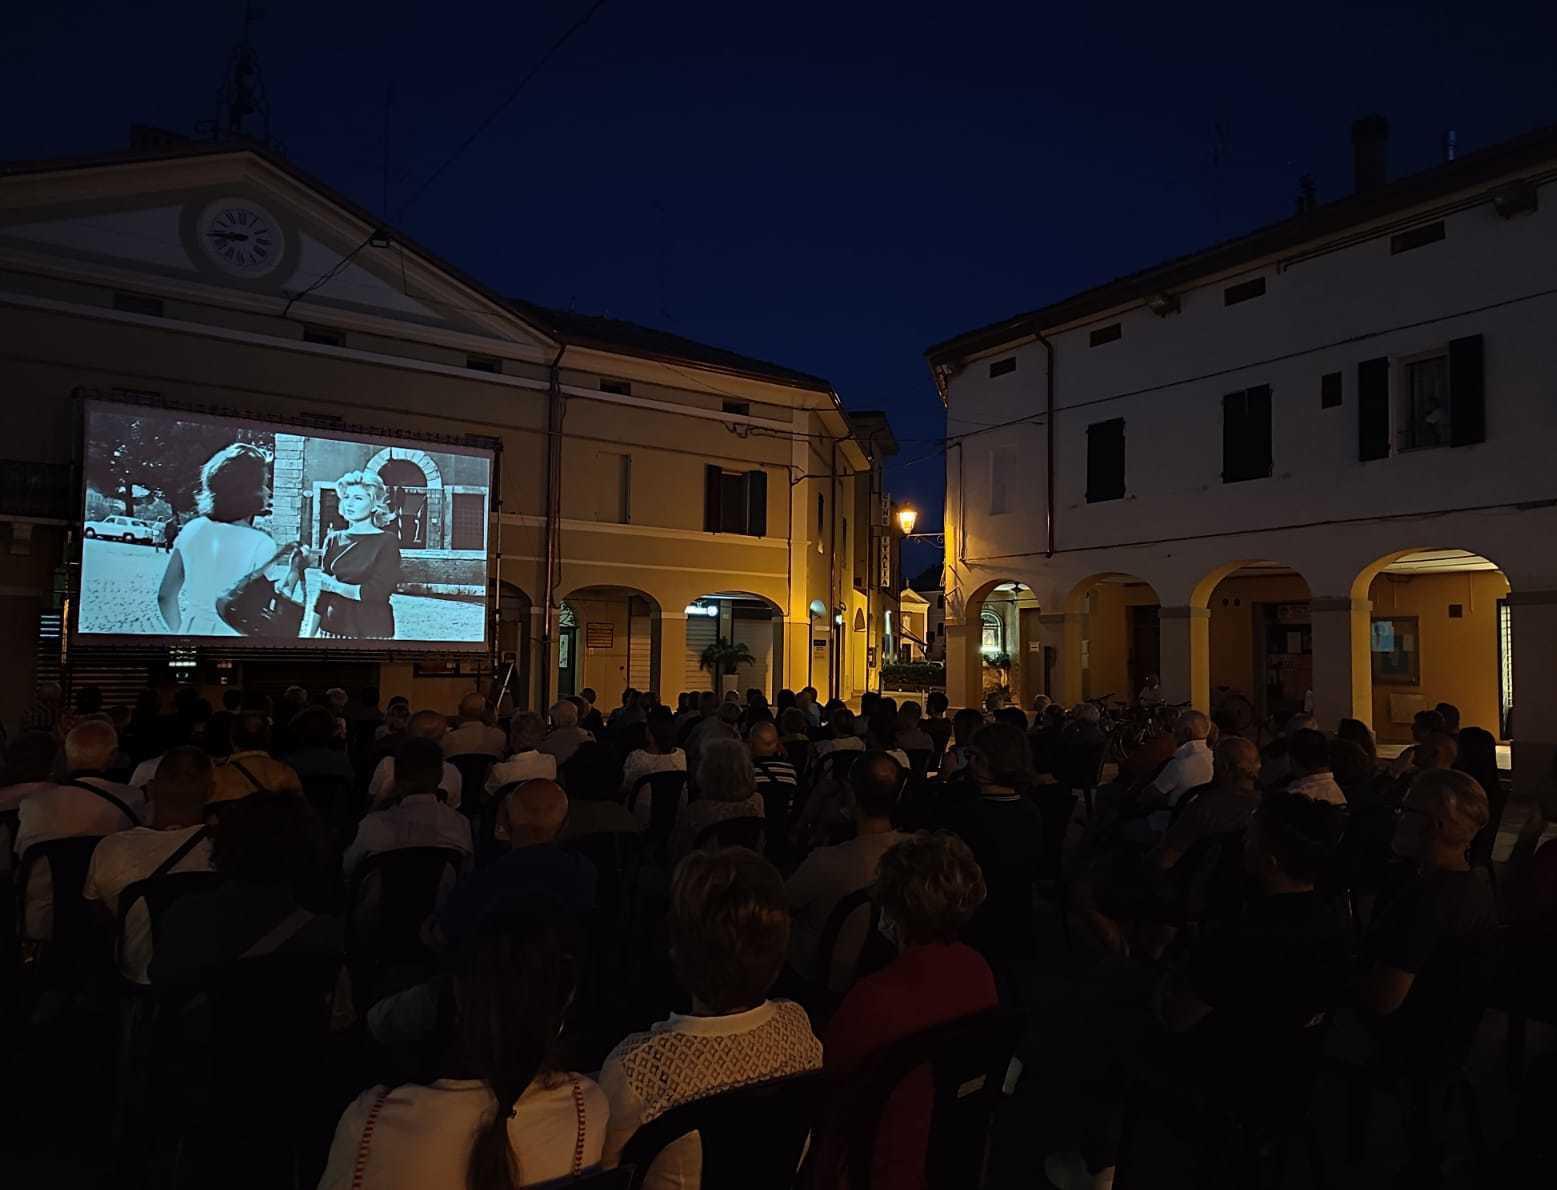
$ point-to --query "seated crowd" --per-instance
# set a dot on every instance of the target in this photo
(544, 933)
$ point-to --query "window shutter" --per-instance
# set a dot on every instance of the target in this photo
(1257, 430)
(757, 503)
(1467, 392)
(1232, 436)
(1105, 460)
(711, 477)
(1373, 409)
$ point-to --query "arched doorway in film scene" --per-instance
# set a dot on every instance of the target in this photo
(1011, 655)
(1440, 632)
(738, 618)
(1261, 646)
(515, 637)
(1120, 638)
(608, 640)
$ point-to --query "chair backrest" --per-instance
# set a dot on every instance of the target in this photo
(858, 901)
(967, 1060)
(333, 797)
(835, 765)
(160, 893)
(752, 1137)
(1056, 804)
(407, 882)
(473, 768)
(919, 762)
(620, 1178)
(665, 790)
(68, 861)
(745, 831)
(798, 753)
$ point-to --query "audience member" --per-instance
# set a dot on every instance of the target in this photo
(474, 736)
(176, 840)
(503, 1115)
(776, 778)
(565, 735)
(397, 713)
(1191, 764)
(1354, 772)
(805, 699)
(415, 814)
(268, 849)
(1424, 725)
(316, 751)
(535, 867)
(592, 780)
(659, 756)
(1355, 731)
(910, 735)
(1081, 748)
(1223, 807)
(729, 928)
(727, 788)
(928, 889)
(43, 713)
(1477, 758)
(590, 718)
(1309, 752)
(251, 768)
(1277, 769)
(526, 761)
(1450, 715)
(724, 725)
(829, 874)
(424, 725)
(935, 724)
(844, 737)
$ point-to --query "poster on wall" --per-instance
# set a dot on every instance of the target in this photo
(204, 528)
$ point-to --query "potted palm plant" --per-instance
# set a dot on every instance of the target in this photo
(723, 659)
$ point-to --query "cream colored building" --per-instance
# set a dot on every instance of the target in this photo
(1310, 460)
(688, 491)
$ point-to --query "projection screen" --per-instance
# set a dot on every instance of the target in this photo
(232, 532)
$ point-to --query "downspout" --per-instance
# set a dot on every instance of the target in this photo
(1048, 427)
(554, 413)
(835, 678)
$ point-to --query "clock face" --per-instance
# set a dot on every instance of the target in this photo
(240, 237)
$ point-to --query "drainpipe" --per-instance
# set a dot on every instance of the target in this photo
(554, 413)
(1048, 508)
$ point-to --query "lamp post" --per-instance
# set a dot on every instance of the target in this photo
(907, 517)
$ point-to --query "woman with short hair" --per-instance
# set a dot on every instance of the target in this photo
(727, 788)
(658, 755)
(360, 564)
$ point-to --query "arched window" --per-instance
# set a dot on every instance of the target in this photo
(994, 634)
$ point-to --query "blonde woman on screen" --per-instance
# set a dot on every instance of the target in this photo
(221, 545)
(361, 565)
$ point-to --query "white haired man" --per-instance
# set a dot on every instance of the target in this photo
(565, 735)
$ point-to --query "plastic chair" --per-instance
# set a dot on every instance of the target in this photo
(752, 1137)
(473, 768)
(392, 894)
(798, 753)
(77, 948)
(745, 831)
(827, 943)
(665, 793)
(967, 1061)
(919, 762)
(160, 894)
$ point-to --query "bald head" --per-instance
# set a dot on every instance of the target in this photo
(564, 715)
(473, 708)
(90, 745)
(428, 725)
(534, 813)
(764, 739)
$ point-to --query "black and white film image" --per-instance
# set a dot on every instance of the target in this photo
(201, 526)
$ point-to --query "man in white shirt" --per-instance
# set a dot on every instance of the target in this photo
(424, 725)
(527, 762)
(418, 817)
(1309, 752)
(177, 840)
(474, 736)
(1190, 766)
(85, 804)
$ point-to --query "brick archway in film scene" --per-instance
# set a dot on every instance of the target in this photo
(423, 461)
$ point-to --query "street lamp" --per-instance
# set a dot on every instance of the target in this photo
(907, 516)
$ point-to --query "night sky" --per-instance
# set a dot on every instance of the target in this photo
(832, 187)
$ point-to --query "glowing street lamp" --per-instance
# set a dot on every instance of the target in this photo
(907, 517)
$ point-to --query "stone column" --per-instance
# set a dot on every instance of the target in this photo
(1062, 633)
(1534, 631)
(1343, 673)
(964, 666)
(673, 654)
(1186, 656)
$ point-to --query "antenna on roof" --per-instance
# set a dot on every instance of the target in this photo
(243, 111)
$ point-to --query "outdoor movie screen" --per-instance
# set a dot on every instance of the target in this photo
(206, 528)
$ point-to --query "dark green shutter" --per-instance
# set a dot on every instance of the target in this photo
(1232, 435)
(1467, 392)
(757, 503)
(1106, 460)
(711, 480)
(1257, 430)
(1373, 409)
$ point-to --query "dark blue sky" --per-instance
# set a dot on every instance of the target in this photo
(829, 186)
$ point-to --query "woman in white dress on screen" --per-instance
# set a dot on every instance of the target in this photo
(221, 545)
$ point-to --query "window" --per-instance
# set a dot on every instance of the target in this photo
(470, 515)
(739, 408)
(1105, 461)
(1397, 661)
(135, 303)
(1246, 448)
(735, 501)
(1107, 334)
(620, 387)
(1417, 237)
(1002, 367)
(1243, 292)
(1426, 421)
(992, 640)
(482, 363)
(1002, 462)
(1330, 390)
(318, 334)
(1437, 399)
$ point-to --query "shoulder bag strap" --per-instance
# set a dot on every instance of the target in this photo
(359, 1170)
(252, 779)
(578, 1145)
(279, 934)
(111, 798)
(180, 852)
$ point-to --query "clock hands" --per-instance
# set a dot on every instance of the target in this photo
(230, 236)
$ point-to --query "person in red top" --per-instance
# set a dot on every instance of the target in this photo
(928, 887)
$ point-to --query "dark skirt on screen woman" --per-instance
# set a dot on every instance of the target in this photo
(368, 560)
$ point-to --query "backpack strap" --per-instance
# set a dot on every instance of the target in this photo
(279, 935)
(180, 852)
(112, 799)
(251, 778)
